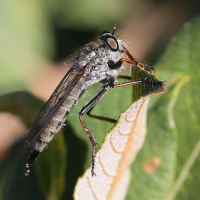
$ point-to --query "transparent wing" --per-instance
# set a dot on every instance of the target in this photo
(70, 60)
(52, 105)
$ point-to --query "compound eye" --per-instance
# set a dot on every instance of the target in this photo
(109, 40)
(112, 43)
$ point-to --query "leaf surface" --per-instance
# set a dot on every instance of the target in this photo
(168, 165)
(119, 148)
(180, 64)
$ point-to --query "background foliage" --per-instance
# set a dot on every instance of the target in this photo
(36, 36)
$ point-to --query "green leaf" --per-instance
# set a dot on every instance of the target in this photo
(173, 126)
(22, 104)
(153, 169)
(89, 14)
(12, 167)
(186, 112)
(51, 164)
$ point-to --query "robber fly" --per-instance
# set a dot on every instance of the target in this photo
(92, 64)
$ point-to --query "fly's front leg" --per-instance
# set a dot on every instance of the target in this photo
(135, 62)
(118, 64)
(84, 110)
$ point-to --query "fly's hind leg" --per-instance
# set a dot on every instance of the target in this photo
(84, 110)
(107, 119)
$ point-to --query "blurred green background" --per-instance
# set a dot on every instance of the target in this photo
(35, 39)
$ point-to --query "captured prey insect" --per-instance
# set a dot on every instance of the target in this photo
(93, 63)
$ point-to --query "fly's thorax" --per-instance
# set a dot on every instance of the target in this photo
(86, 54)
(106, 55)
(98, 68)
(96, 59)
(85, 59)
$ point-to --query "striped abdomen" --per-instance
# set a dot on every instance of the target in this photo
(59, 118)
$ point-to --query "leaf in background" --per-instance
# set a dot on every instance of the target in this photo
(173, 126)
(180, 64)
(119, 149)
(12, 166)
(51, 167)
(51, 164)
(89, 14)
(24, 40)
(15, 185)
(22, 104)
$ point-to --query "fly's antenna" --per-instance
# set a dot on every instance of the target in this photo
(114, 29)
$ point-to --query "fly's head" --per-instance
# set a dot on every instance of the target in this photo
(110, 40)
(114, 46)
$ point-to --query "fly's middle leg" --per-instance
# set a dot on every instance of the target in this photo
(84, 110)
(107, 119)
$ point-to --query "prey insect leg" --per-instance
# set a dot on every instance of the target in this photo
(84, 110)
